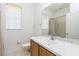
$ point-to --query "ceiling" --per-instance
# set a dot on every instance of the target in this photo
(56, 6)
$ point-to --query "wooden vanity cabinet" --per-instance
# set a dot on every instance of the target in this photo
(34, 48)
(45, 52)
(37, 50)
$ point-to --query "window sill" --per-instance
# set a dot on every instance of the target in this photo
(16, 29)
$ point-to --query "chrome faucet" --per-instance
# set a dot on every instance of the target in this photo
(52, 38)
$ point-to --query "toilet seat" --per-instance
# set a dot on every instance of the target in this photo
(26, 45)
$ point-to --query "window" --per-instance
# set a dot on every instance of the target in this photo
(45, 22)
(13, 17)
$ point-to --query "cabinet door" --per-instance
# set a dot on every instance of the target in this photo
(34, 48)
(44, 52)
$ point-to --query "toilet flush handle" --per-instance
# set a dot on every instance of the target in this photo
(18, 42)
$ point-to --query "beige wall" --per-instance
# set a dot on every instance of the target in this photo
(0, 40)
(0, 36)
(0, 49)
(3, 31)
(37, 18)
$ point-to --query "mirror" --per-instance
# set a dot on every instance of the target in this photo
(57, 26)
(61, 19)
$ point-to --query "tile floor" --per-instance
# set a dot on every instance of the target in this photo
(22, 53)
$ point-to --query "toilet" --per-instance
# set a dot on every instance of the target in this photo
(26, 46)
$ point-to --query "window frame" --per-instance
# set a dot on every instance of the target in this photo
(20, 17)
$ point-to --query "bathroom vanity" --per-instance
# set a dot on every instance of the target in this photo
(44, 46)
(38, 50)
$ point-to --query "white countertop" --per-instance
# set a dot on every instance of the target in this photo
(59, 47)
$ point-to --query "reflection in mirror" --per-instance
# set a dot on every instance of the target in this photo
(63, 20)
(57, 26)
